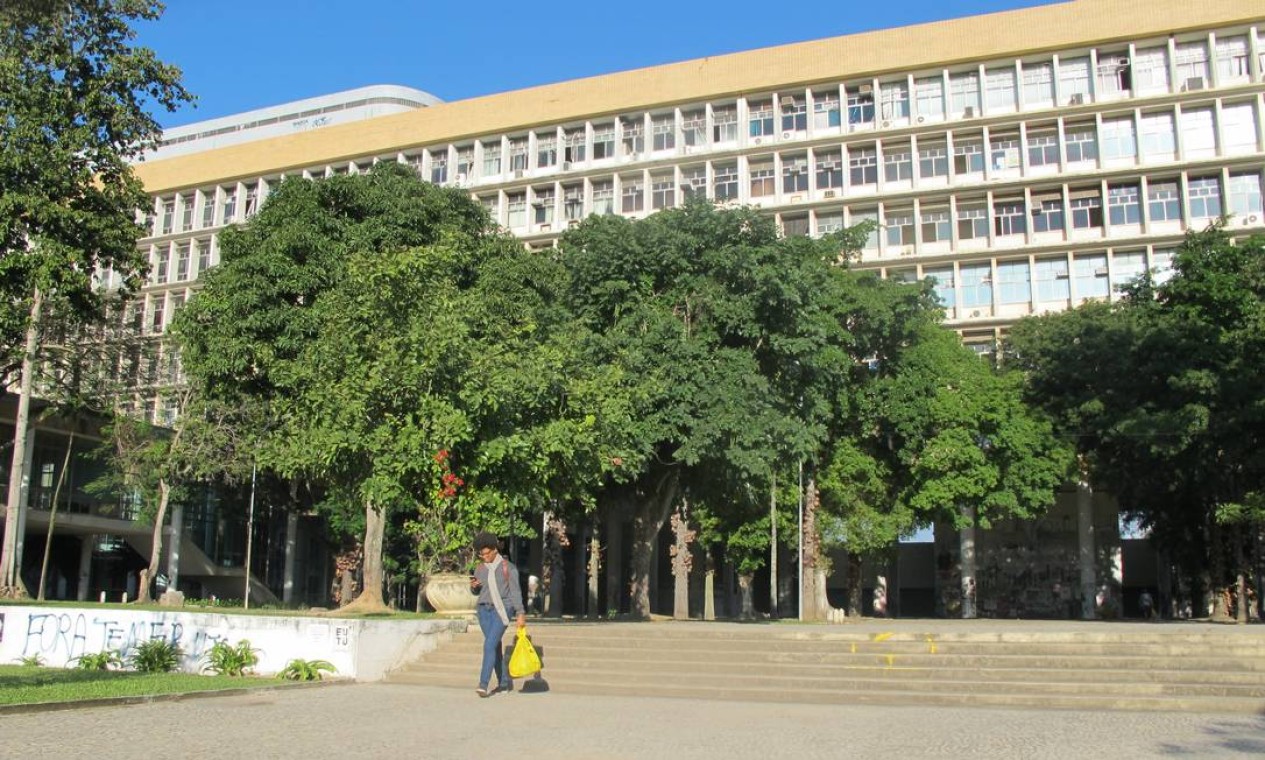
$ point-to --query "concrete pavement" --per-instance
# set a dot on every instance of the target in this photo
(390, 721)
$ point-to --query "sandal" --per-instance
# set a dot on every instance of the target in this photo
(483, 692)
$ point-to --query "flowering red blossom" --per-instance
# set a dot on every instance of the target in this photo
(441, 455)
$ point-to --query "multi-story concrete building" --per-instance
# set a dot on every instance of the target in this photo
(1025, 161)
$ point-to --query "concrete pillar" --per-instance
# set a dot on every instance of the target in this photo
(1085, 546)
(614, 563)
(85, 567)
(966, 546)
(292, 538)
(175, 531)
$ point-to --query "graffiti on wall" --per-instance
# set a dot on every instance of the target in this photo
(66, 635)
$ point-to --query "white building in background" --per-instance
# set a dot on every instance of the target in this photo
(291, 118)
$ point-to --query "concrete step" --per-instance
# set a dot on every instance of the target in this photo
(912, 696)
(1118, 668)
(559, 640)
(897, 673)
(553, 654)
(870, 681)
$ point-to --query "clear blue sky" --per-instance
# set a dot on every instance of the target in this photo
(243, 54)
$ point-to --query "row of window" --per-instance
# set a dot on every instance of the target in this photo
(1188, 132)
(1018, 286)
(1093, 76)
(175, 262)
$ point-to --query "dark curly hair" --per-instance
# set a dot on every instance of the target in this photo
(484, 540)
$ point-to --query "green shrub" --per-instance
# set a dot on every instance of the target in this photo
(103, 660)
(306, 670)
(156, 656)
(228, 659)
(31, 661)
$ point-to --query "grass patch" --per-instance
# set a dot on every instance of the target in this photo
(195, 607)
(20, 685)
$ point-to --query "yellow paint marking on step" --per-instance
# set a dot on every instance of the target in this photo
(883, 636)
(931, 644)
(854, 647)
(891, 660)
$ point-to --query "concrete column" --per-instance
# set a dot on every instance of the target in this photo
(292, 538)
(966, 546)
(1085, 546)
(85, 567)
(175, 533)
(614, 563)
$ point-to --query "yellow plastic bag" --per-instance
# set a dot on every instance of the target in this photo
(523, 661)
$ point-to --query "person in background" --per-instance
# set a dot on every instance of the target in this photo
(496, 581)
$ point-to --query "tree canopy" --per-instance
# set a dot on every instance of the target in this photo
(1162, 393)
(74, 100)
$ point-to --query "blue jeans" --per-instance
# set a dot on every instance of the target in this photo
(493, 653)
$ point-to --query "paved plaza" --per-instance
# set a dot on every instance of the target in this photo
(392, 721)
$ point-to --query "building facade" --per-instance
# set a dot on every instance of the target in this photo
(1024, 161)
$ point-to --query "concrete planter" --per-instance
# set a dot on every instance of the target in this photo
(450, 594)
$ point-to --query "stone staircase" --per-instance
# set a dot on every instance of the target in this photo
(1084, 666)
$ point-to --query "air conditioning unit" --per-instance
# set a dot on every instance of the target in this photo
(787, 101)
(1077, 99)
(1194, 83)
(786, 135)
(886, 124)
(756, 141)
(1062, 276)
(865, 88)
(969, 113)
(566, 165)
(462, 178)
(546, 227)
(1099, 271)
(517, 174)
(1250, 219)
(573, 222)
(907, 251)
(976, 314)
(921, 119)
(797, 199)
(828, 194)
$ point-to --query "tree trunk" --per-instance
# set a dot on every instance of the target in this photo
(812, 595)
(747, 609)
(552, 572)
(143, 595)
(854, 584)
(966, 547)
(647, 522)
(682, 562)
(594, 572)
(1240, 608)
(709, 588)
(370, 598)
(11, 585)
(52, 515)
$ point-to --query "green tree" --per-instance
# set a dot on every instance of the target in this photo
(1166, 382)
(729, 341)
(74, 94)
(378, 320)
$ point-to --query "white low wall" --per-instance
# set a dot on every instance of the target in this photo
(364, 649)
